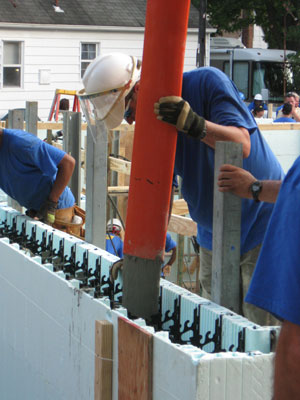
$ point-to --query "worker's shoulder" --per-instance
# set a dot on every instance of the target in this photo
(205, 77)
(204, 71)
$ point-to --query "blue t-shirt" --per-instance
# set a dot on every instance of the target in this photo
(215, 97)
(116, 242)
(252, 106)
(170, 243)
(28, 168)
(275, 284)
(284, 119)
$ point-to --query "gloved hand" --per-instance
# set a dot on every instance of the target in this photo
(114, 271)
(47, 211)
(176, 111)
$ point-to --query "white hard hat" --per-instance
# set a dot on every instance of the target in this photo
(114, 223)
(258, 97)
(107, 81)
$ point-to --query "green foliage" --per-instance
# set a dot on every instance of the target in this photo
(294, 62)
(279, 19)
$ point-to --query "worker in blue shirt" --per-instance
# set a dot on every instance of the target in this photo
(169, 247)
(257, 101)
(36, 174)
(286, 114)
(114, 243)
(209, 110)
(275, 284)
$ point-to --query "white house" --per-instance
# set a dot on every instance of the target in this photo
(46, 46)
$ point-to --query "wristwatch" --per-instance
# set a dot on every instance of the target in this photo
(256, 188)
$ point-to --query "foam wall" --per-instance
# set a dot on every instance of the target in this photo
(47, 339)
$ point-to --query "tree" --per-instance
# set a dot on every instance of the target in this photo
(279, 19)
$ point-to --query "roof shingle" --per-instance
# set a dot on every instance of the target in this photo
(128, 13)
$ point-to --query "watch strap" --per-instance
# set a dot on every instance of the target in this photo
(256, 188)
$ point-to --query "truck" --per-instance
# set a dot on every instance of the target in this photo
(253, 70)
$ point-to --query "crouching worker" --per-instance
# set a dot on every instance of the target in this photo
(36, 174)
(114, 242)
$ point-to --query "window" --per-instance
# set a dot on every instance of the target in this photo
(240, 75)
(88, 53)
(12, 64)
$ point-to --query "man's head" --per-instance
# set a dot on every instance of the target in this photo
(114, 226)
(287, 109)
(258, 111)
(64, 105)
(109, 83)
(290, 98)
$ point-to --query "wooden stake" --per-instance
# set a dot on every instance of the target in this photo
(225, 285)
(103, 360)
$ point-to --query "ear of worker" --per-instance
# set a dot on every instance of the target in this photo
(177, 112)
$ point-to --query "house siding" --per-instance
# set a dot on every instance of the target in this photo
(58, 50)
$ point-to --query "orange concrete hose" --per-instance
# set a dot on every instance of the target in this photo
(155, 142)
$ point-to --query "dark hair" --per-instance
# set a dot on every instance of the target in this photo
(290, 94)
(287, 109)
(257, 109)
(64, 104)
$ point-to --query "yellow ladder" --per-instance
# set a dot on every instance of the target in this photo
(55, 103)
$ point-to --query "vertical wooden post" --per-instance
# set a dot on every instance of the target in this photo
(31, 117)
(15, 121)
(225, 288)
(270, 110)
(103, 360)
(72, 146)
(180, 258)
(49, 136)
(135, 361)
(96, 185)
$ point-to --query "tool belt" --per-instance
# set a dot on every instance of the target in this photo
(70, 220)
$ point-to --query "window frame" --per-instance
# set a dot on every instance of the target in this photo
(20, 65)
(97, 52)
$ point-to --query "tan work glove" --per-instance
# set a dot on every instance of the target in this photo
(177, 112)
(47, 212)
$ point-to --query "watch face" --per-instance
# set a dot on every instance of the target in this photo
(255, 187)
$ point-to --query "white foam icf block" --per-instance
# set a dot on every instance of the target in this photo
(174, 370)
(47, 333)
(235, 376)
(258, 377)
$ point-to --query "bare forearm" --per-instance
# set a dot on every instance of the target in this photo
(287, 359)
(238, 181)
(270, 190)
(215, 132)
(173, 257)
(65, 171)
